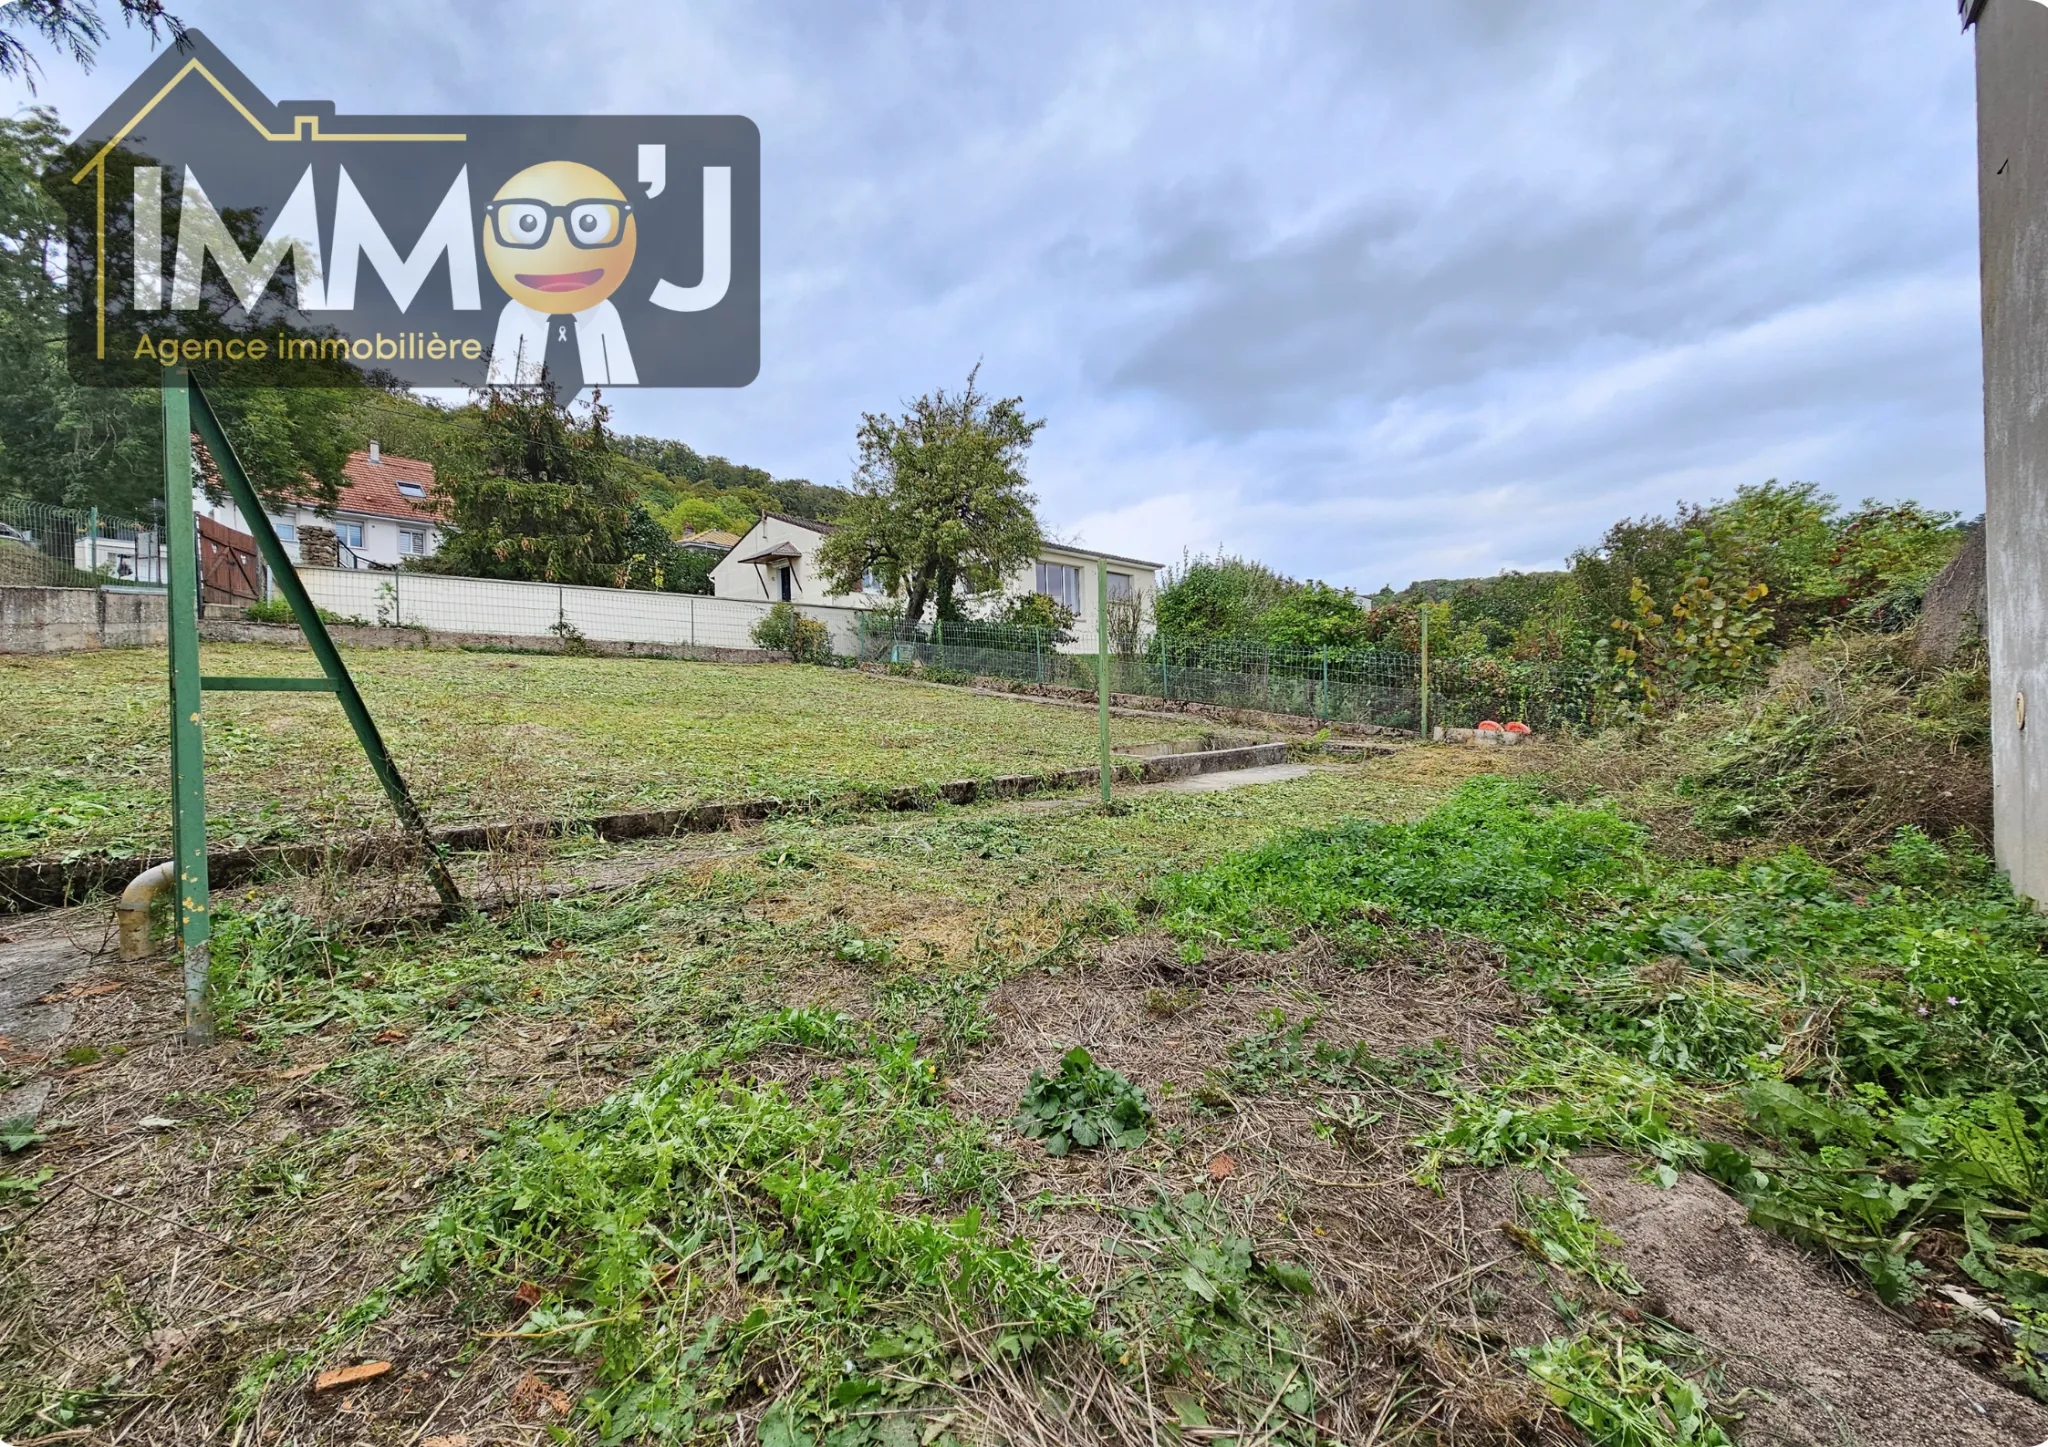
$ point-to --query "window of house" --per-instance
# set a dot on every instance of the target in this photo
(870, 584)
(349, 533)
(1061, 583)
(412, 543)
(413, 489)
(1121, 589)
(286, 532)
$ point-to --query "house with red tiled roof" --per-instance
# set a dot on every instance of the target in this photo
(385, 514)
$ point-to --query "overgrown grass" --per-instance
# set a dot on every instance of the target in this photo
(1863, 1059)
(490, 737)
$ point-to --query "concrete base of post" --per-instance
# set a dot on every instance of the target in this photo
(198, 1000)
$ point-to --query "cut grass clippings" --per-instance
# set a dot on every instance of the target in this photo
(484, 737)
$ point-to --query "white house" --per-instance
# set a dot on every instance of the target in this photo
(384, 515)
(776, 560)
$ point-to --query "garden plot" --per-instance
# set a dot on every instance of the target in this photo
(490, 737)
(788, 1142)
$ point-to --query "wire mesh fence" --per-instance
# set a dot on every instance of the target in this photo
(1383, 687)
(60, 547)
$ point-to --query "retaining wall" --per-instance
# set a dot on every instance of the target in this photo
(60, 620)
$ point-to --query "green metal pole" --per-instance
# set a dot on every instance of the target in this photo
(188, 777)
(92, 541)
(1038, 653)
(1323, 697)
(1425, 673)
(1102, 669)
(1165, 682)
(317, 638)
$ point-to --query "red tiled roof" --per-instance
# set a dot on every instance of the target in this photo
(371, 488)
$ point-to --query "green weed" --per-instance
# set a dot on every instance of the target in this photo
(1622, 1396)
(1081, 1106)
(711, 1239)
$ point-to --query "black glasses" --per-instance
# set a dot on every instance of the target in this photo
(591, 224)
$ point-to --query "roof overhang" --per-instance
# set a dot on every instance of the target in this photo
(775, 554)
(1971, 10)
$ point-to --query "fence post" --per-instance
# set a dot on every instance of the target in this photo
(1102, 669)
(1323, 697)
(188, 778)
(1425, 673)
(1165, 683)
(92, 544)
(1038, 653)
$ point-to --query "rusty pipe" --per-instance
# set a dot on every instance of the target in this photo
(131, 915)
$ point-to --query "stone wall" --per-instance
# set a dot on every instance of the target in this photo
(60, 620)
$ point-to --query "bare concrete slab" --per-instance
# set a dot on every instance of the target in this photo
(1235, 779)
(30, 971)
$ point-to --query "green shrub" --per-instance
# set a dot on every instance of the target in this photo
(1083, 1105)
(785, 630)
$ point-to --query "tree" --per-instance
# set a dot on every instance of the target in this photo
(74, 26)
(533, 495)
(1315, 615)
(939, 501)
(1219, 597)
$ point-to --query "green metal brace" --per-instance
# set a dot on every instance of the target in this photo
(185, 409)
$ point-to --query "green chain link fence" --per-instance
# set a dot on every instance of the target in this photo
(1349, 685)
(60, 547)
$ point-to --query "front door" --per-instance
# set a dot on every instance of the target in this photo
(788, 576)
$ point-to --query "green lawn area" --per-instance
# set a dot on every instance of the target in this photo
(484, 736)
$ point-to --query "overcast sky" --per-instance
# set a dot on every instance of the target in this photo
(1370, 291)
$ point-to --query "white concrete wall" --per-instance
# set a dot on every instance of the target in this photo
(533, 610)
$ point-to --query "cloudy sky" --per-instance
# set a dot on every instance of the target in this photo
(1370, 291)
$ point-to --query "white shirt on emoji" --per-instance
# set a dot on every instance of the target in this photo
(521, 347)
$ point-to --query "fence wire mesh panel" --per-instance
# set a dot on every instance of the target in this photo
(1382, 687)
(43, 546)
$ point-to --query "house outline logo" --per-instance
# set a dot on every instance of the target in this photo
(251, 276)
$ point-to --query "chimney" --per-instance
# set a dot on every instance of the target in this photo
(376, 452)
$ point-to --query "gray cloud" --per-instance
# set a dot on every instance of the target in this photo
(1370, 291)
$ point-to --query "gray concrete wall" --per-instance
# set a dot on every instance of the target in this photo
(60, 620)
(2012, 156)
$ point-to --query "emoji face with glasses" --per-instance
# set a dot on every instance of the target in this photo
(560, 237)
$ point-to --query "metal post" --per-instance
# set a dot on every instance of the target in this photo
(1038, 653)
(188, 776)
(353, 708)
(1165, 683)
(92, 542)
(1323, 697)
(1425, 673)
(1102, 669)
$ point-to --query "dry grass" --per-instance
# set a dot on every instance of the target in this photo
(1848, 742)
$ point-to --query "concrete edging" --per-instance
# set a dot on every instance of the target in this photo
(32, 884)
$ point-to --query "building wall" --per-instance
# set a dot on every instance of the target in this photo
(2012, 136)
(380, 534)
(758, 582)
(1144, 583)
(733, 579)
